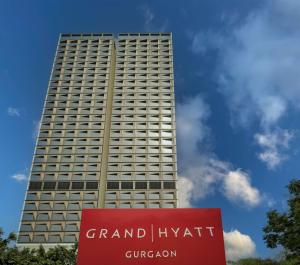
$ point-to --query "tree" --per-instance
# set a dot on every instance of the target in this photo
(255, 261)
(4, 242)
(284, 228)
(10, 255)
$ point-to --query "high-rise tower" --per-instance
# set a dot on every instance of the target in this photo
(107, 135)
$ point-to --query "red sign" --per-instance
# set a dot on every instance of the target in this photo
(151, 236)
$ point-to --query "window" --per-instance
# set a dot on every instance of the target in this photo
(75, 196)
(32, 196)
(38, 239)
(154, 196)
(74, 206)
(56, 227)
(154, 205)
(41, 227)
(90, 196)
(24, 239)
(26, 227)
(155, 185)
(72, 216)
(35, 185)
(125, 205)
(71, 227)
(30, 207)
(59, 206)
(126, 185)
(169, 185)
(63, 185)
(54, 238)
(88, 205)
(45, 206)
(28, 217)
(169, 205)
(69, 238)
(110, 205)
(46, 196)
(139, 205)
(49, 185)
(43, 217)
(112, 185)
(125, 195)
(58, 216)
(91, 185)
(61, 196)
(139, 196)
(77, 185)
(141, 185)
(168, 196)
(111, 196)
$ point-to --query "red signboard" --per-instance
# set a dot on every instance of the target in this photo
(151, 236)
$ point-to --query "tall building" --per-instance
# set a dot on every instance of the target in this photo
(107, 134)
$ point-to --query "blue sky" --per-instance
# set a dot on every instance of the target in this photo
(237, 76)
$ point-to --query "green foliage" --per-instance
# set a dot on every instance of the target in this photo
(10, 255)
(253, 261)
(290, 261)
(284, 228)
(257, 261)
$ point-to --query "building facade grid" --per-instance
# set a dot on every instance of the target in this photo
(107, 136)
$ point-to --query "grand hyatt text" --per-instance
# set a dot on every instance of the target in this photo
(159, 232)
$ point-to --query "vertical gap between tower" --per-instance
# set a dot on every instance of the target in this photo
(107, 126)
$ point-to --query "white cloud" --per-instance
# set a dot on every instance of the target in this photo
(191, 129)
(203, 41)
(238, 245)
(151, 22)
(36, 129)
(19, 177)
(201, 171)
(184, 193)
(259, 66)
(259, 71)
(164, 26)
(273, 144)
(237, 187)
(13, 112)
(148, 16)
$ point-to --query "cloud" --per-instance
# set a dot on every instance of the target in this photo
(151, 22)
(258, 66)
(36, 129)
(204, 41)
(13, 112)
(148, 16)
(19, 177)
(164, 26)
(238, 245)
(184, 193)
(273, 144)
(200, 170)
(237, 187)
(191, 129)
